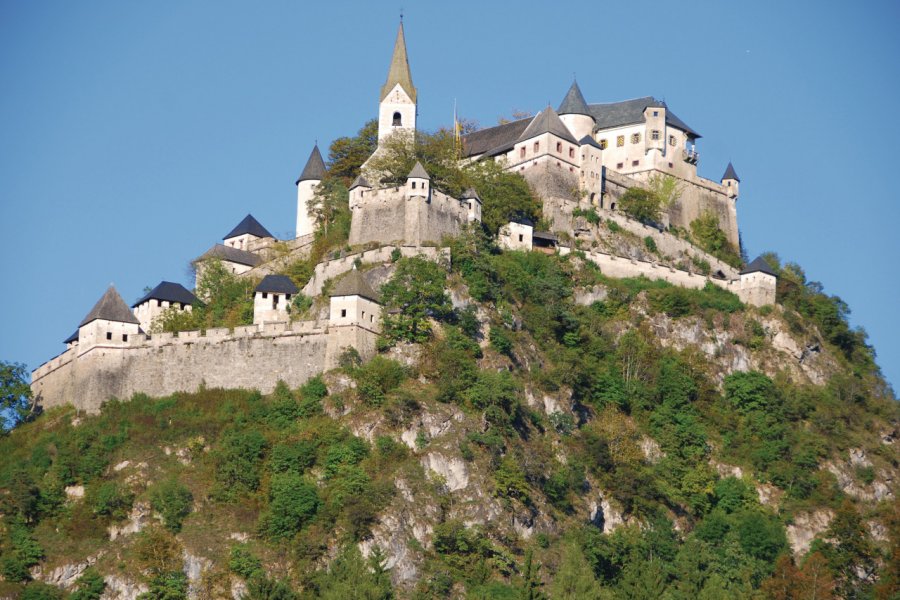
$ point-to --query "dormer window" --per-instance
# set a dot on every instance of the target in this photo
(398, 120)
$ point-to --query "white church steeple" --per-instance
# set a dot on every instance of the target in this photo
(397, 110)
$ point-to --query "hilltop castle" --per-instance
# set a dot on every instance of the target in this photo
(579, 155)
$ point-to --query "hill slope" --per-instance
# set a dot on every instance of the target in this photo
(537, 428)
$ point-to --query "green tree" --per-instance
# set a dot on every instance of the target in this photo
(707, 234)
(90, 585)
(641, 205)
(349, 577)
(16, 402)
(347, 154)
(574, 580)
(416, 292)
(173, 501)
(293, 501)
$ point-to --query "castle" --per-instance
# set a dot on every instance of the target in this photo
(579, 155)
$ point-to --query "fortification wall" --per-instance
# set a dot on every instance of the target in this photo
(619, 267)
(251, 357)
(391, 215)
(380, 218)
(697, 196)
(332, 268)
(443, 216)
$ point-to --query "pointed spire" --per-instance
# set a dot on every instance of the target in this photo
(399, 70)
(249, 225)
(418, 172)
(547, 121)
(110, 307)
(574, 102)
(315, 167)
(730, 173)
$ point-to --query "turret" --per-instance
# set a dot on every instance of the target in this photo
(110, 322)
(758, 283)
(311, 177)
(655, 120)
(243, 236)
(397, 109)
(358, 190)
(167, 295)
(418, 183)
(575, 114)
(731, 181)
(473, 205)
(272, 299)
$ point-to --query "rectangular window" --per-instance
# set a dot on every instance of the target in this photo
(635, 163)
(413, 185)
(265, 295)
(571, 152)
(109, 335)
(537, 146)
(159, 302)
(522, 152)
(603, 144)
(371, 318)
(343, 312)
(672, 141)
(620, 140)
(620, 165)
(124, 337)
(655, 113)
(671, 165)
(559, 147)
(635, 138)
(654, 135)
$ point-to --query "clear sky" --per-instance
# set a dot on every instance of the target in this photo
(133, 135)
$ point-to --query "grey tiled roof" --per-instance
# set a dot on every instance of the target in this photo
(170, 292)
(730, 173)
(574, 102)
(249, 225)
(279, 284)
(589, 141)
(71, 338)
(354, 284)
(229, 254)
(360, 181)
(759, 265)
(315, 167)
(399, 69)
(617, 114)
(418, 172)
(545, 235)
(502, 138)
(470, 193)
(110, 307)
(547, 121)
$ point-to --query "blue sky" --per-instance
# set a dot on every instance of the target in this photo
(133, 135)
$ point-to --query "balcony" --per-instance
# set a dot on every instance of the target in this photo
(690, 156)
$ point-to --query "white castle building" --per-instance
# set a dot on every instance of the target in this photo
(578, 155)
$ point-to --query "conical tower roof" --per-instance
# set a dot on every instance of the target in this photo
(354, 284)
(249, 225)
(547, 121)
(574, 102)
(730, 173)
(315, 167)
(110, 307)
(399, 70)
(418, 172)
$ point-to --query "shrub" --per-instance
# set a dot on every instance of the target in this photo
(650, 244)
(377, 378)
(172, 585)
(37, 590)
(242, 561)
(90, 586)
(590, 215)
(110, 499)
(294, 457)
(293, 501)
(173, 501)
(500, 340)
(641, 205)
(417, 290)
(238, 462)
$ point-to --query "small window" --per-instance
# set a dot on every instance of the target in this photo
(371, 318)
(343, 312)
(635, 163)
(413, 185)
(522, 152)
(109, 335)
(672, 141)
(521, 238)
(537, 146)
(363, 314)
(671, 166)
(620, 141)
(571, 152)
(603, 144)
(635, 138)
(559, 147)
(265, 295)
(620, 165)
(288, 297)
(124, 337)
(655, 113)
(159, 302)
(398, 120)
(654, 135)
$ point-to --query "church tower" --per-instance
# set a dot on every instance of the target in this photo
(397, 111)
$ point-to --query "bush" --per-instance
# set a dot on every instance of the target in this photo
(377, 378)
(650, 244)
(90, 586)
(243, 562)
(641, 205)
(172, 585)
(110, 499)
(293, 501)
(37, 590)
(500, 340)
(417, 290)
(294, 457)
(238, 462)
(173, 501)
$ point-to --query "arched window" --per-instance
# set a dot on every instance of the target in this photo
(398, 120)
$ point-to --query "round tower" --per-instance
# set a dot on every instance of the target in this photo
(309, 179)
(731, 181)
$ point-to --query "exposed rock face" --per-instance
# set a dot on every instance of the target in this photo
(431, 424)
(880, 489)
(121, 588)
(73, 492)
(805, 528)
(138, 518)
(652, 452)
(769, 495)
(604, 516)
(453, 470)
(63, 576)
(194, 566)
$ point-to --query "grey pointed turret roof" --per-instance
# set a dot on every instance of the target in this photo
(170, 292)
(71, 338)
(354, 284)
(730, 173)
(360, 181)
(418, 172)
(399, 69)
(249, 225)
(470, 193)
(547, 121)
(759, 265)
(574, 102)
(230, 254)
(589, 141)
(278, 284)
(315, 167)
(110, 307)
